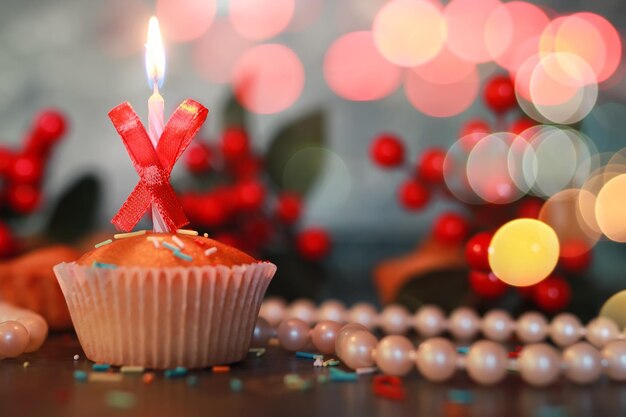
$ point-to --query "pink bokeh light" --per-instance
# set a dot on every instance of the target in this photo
(260, 19)
(185, 20)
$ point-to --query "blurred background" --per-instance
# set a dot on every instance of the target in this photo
(301, 93)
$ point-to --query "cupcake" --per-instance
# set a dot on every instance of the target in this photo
(162, 300)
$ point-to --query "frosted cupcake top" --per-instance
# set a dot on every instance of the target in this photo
(163, 250)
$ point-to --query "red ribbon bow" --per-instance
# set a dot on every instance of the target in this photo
(155, 166)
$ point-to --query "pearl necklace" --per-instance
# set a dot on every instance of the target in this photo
(463, 323)
(485, 361)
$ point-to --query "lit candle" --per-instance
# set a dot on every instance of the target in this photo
(155, 68)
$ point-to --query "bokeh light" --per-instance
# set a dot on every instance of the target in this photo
(615, 309)
(268, 78)
(467, 25)
(185, 20)
(445, 68)
(523, 252)
(513, 31)
(217, 51)
(561, 212)
(409, 32)
(610, 205)
(441, 100)
(260, 19)
(355, 70)
(455, 169)
(305, 13)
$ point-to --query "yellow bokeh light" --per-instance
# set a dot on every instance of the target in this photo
(615, 309)
(610, 209)
(523, 252)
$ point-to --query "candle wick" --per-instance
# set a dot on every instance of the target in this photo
(155, 85)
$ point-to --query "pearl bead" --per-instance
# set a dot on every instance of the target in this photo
(332, 310)
(429, 321)
(464, 323)
(601, 331)
(393, 355)
(262, 333)
(486, 362)
(304, 310)
(565, 329)
(293, 334)
(539, 364)
(436, 359)
(363, 313)
(395, 319)
(614, 353)
(582, 363)
(273, 310)
(324, 334)
(497, 325)
(356, 350)
(37, 329)
(343, 334)
(531, 327)
(13, 339)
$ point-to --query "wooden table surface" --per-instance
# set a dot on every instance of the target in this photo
(47, 388)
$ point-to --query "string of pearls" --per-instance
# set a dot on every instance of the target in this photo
(21, 331)
(463, 323)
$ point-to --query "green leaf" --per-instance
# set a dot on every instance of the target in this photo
(75, 211)
(234, 114)
(296, 155)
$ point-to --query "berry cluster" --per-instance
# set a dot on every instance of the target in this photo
(427, 177)
(240, 208)
(22, 171)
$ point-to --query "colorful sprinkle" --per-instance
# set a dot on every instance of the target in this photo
(308, 355)
(105, 377)
(171, 247)
(331, 362)
(80, 376)
(322, 379)
(220, 369)
(148, 378)
(154, 241)
(121, 399)
(388, 387)
(318, 363)
(103, 265)
(235, 385)
(106, 242)
(193, 380)
(461, 396)
(76, 357)
(183, 256)
(100, 367)
(295, 382)
(337, 375)
(26, 364)
(131, 234)
(177, 372)
(178, 242)
(132, 369)
(462, 350)
(258, 351)
(551, 411)
(206, 235)
(187, 232)
(210, 251)
(199, 242)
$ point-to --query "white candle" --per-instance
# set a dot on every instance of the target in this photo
(155, 68)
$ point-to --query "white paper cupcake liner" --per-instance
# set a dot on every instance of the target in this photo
(164, 317)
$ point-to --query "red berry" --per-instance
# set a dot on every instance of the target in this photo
(451, 228)
(500, 94)
(229, 239)
(26, 168)
(211, 211)
(246, 167)
(486, 284)
(477, 251)
(198, 158)
(413, 195)
(575, 256)
(23, 198)
(475, 126)
(552, 294)
(387, 151)
(529, 208)
(289, 208)
(7, 241)
(235, 143)
(430, 166)
(50, 125)
(6, 160)
(521, 125)
(250, 195)
(313, 244)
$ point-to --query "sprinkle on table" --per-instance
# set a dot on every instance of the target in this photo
(106, 242)
(148, 378)
(366, 371)
(187, 232)
(337, 375)
(131, 234)
(462, 350)
(103, 265)
(121, 399)
(132, 369)
(193, 380)
(295, 382)
(308, 355)
(100, 367)
(210, 251)
(178, 242)
(26, 364)
(177, 372)
(388, 387)
(80, 376)
(76, 357)
(460, 396)
(220, 369)
(318, 363)
(235, 385)
(331, 362)
(258, 351)
(105, 377)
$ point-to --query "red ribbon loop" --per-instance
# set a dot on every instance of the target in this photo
(155, 166)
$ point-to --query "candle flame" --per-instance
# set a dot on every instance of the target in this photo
(155, 54)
